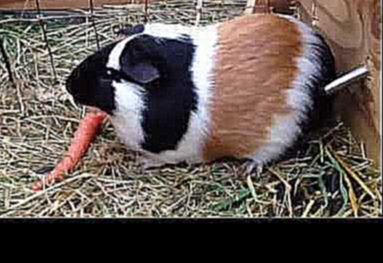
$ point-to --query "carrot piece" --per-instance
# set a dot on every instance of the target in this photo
(84, 135)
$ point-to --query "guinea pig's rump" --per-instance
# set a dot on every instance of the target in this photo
(265, 87)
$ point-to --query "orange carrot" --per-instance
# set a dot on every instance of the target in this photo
(84, 135)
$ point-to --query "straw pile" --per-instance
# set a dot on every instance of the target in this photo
(330, 177)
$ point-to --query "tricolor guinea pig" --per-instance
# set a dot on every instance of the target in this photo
(245, 88)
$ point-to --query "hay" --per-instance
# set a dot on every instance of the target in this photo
(331, 177)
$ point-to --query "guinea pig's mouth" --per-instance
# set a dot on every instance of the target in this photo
(77, 102)
(92, 109)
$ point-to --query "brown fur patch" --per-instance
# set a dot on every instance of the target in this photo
(255, 67)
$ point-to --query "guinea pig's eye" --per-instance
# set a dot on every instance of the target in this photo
(114, 74)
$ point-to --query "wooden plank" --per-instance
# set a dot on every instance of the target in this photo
(63, 4)
(352, 28)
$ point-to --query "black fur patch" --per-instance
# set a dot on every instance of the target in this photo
(129, 30)
(171, 98)
(88, 83)
(323, 103)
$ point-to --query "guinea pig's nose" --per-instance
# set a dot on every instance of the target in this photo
(69, 88)
(72, 91)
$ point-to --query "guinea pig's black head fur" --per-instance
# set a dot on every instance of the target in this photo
(89, 83)
(128, 30)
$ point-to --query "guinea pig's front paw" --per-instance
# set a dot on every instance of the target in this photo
(251, 167)
(148, 163)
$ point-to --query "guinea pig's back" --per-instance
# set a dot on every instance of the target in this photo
(268, 72)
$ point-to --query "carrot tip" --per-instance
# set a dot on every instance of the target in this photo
(88, 127)
(48, 181)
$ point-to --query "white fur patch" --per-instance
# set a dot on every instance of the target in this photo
(286, 128)
(115, 54)
(126, 119)
(166, 31)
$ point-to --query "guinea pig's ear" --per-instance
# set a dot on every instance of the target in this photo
(140, 59)
(142, 72)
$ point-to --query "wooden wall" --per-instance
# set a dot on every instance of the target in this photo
(353, 28)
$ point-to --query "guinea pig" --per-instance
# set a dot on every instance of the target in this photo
(246, 88)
